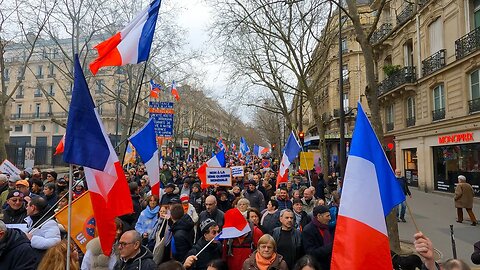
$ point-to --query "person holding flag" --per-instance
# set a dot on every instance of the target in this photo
(203, 251)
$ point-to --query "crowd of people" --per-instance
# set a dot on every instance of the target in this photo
(292, 226)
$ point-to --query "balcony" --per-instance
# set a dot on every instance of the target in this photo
(19, 96)
(381, 32)
(405, 15)
(401, 77)
(51, 76)
(39, 76)
(410, 121)
(474, 105)
(434, 62)
(467, 44)
(438, 114)
(37, 94)
(390, 126)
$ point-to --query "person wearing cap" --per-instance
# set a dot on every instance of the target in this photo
(188, 207)
(62, 184)
(168, 195)
(15, 212)
(24, 187)
(317, 238)
(254, 196)
(211, 211)
(51, 177)
(209, 230)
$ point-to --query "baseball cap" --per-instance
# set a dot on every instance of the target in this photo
(23, 183)
(14, 193)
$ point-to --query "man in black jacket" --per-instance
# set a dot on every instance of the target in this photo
(132, 254)
(209, 230)
(401, 207)
(317, 238)
(182, 233)
(15, 250)
(211, 212)
(288, 239)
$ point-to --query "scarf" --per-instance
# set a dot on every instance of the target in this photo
(323, 231)
(151, 213)
(263, 263)
(298, 219)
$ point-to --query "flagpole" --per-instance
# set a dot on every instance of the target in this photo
(69, 222)
(135, 107)
(208, 244)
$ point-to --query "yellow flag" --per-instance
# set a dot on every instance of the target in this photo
(306, 161)
(83, 223)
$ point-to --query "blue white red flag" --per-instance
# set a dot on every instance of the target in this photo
(244, 149)
(259, 151)
(370, 192)
(175, 91)
(216, 161)
(132, 44)
(221, 145)
(235, 224)
(155, 89)
(87, 144)
(189, 159)
(145, 143)
(290, 152)
(233, 147)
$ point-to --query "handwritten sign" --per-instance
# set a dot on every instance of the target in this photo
(8, 168)
(162, 114)
(219, 176)
(237, 171)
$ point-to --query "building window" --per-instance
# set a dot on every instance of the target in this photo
(18, 128)
(476, 13)
(344, 45)
(51, 90)
(408, 53)
(39, 72)
(99, 86)
(345, 102)
(410, 111)
(29, 128)
(6, 73)
(51, 69)
(50, 105)
(438, 102)
(435, 30)
(38, 91)
(474, 102)
(20, 91)
(345, 73)
(37, 110)
(99, 107)
(389, 117)
(19, 110)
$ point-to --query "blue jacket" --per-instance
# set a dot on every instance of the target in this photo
(147, 219)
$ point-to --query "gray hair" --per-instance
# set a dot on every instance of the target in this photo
(462, 178)
(3, 227)
(285, 211)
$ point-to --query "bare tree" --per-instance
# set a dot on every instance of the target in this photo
(273, 43)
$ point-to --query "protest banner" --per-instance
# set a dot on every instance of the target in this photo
(219, 176)
(306, 160)
(237, 171)
(8, 168)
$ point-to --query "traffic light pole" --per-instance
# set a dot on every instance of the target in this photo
(342, 158)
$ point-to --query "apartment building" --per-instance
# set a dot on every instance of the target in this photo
(429, 79)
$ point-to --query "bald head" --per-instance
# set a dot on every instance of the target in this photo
(308, 194)
(129, 244)
(210, 203)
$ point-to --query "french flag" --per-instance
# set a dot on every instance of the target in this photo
(221, 145)
(87, 144)
(175, 91)
(290, 152)
(132, 44)
(259, 151)
(244, 149)
(235, 224)
(145, 143)
(155, 89)
(60, 147)
(216, 161)
(370, 192)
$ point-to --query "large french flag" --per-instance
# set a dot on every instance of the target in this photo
(370, 191)
(216, 161)
(87, 144)
(290, 152)
(132, 44)
(259, 151)
(145, 143)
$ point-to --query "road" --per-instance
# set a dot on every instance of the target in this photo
(433, 213)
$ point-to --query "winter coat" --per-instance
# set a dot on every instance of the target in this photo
(308, 206)
(313, 244)
(94, 259)
(16, 252)
(216, 215)
(256, 199)
(129, 220)
(284, 204)
(143, 261)
(196, 199)
(270, 221)
(44, 237)
(147, 219)
(476, 253)
(278, 264)
(167, 197)
(235, 253)
(212, 252)
(304, 220)
(296, 240)
(11, 216)
(464, 196)
(183, 235)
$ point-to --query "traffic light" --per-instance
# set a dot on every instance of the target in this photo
(301, 136)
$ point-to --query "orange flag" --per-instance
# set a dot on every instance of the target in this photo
(83, 223)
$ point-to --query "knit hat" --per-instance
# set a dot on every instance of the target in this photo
(184, 198)
(320, 210)
(206, 224)
(14, 193)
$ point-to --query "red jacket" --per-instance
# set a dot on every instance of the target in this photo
(235, 253)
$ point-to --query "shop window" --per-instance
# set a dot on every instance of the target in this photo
(411, 166)
(454, 160)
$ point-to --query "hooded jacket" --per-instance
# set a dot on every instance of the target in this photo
(16, 252)
(143, 261)
(183, 235)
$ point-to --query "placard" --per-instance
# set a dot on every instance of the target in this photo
(237, 171)
(162, 114)
(8, 168)
(219, 176)
(306, 161)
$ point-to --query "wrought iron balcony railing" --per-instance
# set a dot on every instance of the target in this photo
(381, 32)
(390, 126)
(434, 62)
(467, 44)
(47, 115)
(51, 75)
(403, 76)
(19, 96)
(37, 95)
(410, 121)
(39, 76)
(406, 13)
(474, 105)
(438, 114)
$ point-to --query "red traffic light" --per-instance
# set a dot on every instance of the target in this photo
(301, 135)
(390, 146)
